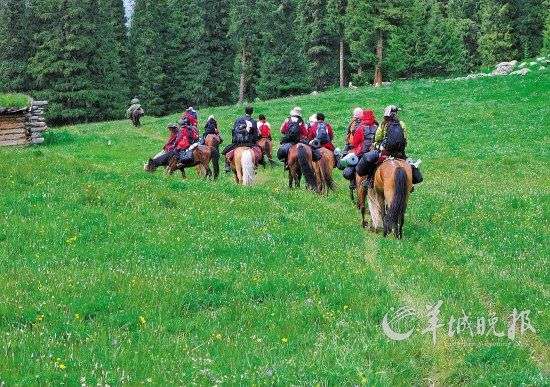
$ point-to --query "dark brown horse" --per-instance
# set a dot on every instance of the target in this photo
(202, 155)
(300, 162)
(323, 171)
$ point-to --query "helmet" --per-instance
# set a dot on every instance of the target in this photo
(296, 112)
(391, 111)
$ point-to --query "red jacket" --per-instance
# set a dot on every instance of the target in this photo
(171, 143)
(183, 141)
(312, 133)
(265, 129)
(304, 134)
(363, 136)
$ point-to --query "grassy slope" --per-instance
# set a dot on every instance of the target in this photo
(267, 285)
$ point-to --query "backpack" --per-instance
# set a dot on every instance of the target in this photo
(264, 130)
(369, 131)
(293, 134)
(322, 133)
(395, 141)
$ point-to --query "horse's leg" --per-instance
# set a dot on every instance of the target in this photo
(182, 173)
(290, 179)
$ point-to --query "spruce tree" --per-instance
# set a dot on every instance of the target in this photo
(282, 64)
(320, 43)
(64, 62)
(186, 62)
(219, 62)
(337, 9)
(546, 36)
(148, 51)
(15, 33)
(245, 22)
(496, 41)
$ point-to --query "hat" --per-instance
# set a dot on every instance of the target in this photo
(313, 118)
(173, 126)
(134, 101)
(391, 111)
(357, 112)
(211, 117)
(297, 111)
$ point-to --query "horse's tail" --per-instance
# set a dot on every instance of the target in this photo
(399, 202)
(305, 166)
(247, 164)
(327, 172)
(215, 155)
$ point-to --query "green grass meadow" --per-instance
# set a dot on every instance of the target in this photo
(110, 275)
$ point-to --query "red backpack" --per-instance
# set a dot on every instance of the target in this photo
(264, 130)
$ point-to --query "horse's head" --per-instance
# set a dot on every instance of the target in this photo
(149, 166)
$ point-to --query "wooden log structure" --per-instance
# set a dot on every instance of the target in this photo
(19, 127)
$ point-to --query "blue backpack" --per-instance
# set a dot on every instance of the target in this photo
(322, 133)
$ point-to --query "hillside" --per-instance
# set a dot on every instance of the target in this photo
(113, 275)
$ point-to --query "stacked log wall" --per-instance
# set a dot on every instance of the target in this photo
(19, 127)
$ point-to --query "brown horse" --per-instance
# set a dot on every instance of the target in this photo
(213, 141)
(388, 199)
(300, 162)
(243, 165)
(202, 155)
(323, 171)
(267, 148)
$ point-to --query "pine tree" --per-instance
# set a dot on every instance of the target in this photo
(368, 28)
(496, 41)
(445, 52)
(337, 9)
(546, 37)
(528, 22)
(186, 62)
(320, 43)
(244, 30)
(15, 31)
(282, 64)
(219, 64)
(148, 51)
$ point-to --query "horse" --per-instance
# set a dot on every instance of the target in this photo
(243, 165)
(267, 148)
(300, 162)
(388, 199)
(136, 116)
(202, 155)
(323, 171)
(213, 141)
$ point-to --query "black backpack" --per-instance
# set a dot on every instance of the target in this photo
(322, 133)
(293, 134)
(395, 141)
(369, 132)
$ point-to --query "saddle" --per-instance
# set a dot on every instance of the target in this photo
(258, 154)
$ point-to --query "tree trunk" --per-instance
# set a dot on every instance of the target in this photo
(242, 83)
(378, 67)
(342, 76)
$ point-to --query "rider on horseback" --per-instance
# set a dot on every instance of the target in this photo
(322, 132)
(361, 141)
(294, 130)
(134, 112)
(210, 128)
(390, 140)
(244, 133)
(177, 146)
